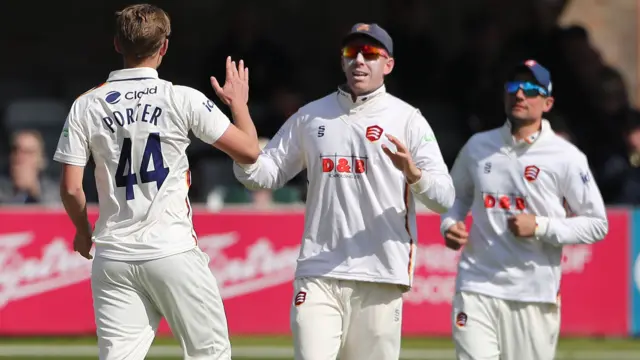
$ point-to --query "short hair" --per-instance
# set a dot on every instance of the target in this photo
(141, 30)
(28, 132)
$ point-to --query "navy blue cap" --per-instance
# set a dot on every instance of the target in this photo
(373, 31)
(539, 72)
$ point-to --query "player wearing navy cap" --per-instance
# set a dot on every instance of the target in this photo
(368, 157)
(530, 193)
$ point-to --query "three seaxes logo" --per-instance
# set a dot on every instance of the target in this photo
(58, 266)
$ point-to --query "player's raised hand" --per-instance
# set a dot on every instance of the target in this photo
(402, 159)
(236, 84)
(522, 225)
(456, 236)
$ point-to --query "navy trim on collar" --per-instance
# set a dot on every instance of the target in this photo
(132, 79)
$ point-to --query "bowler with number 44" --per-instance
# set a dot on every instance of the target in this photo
(136, 125)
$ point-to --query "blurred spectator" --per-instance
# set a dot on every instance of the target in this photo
(611, 134)
(26, 182)
(576, 72)
(621, 178)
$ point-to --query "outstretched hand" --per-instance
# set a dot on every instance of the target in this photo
(402, 159)
(236, 84)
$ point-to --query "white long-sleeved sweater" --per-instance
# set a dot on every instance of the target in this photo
(360, 215)
(497, 177)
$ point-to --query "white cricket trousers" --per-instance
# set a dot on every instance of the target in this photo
(349, 320)
(486, 328)
(130, 298)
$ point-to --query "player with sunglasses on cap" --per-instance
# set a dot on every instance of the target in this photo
(367, 154)
(530, 193)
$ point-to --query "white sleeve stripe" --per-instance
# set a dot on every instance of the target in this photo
(70, 159)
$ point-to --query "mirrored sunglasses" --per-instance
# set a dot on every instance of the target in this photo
(369, 52)
(528, 89)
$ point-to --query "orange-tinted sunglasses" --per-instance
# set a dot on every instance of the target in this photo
(369, 52)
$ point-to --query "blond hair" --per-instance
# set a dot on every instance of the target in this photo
(141, 30)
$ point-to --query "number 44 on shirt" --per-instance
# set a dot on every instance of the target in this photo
(125, 177)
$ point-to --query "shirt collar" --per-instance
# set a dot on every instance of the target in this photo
(133, 74)
(347, 101)
(510, 140)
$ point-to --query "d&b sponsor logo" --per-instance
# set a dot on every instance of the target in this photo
(344, 166)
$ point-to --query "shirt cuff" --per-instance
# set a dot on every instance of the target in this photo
(446, 224)
(422, 185)
(542, 225)
(248, 168)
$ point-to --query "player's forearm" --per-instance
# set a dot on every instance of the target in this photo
(75, 204)
(263, 174)
(242, 120)
(435, 191)
(575, 230)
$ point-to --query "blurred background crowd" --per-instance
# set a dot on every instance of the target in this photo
(451, 63)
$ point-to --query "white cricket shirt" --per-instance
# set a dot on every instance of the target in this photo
(360, 216)
(136, 128)
(497, 177)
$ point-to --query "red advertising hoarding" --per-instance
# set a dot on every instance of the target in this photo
(44, 285)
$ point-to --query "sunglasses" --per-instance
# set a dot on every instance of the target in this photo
(369, 52)
(528, 89)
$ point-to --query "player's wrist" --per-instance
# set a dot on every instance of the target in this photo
(85, 228)
(238, 107)
(413, 174)
(542, 225)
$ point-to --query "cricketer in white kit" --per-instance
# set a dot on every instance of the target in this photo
(530, 193)
(147, 263)
(359, 242)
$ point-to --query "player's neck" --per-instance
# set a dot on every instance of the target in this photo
(522, 130)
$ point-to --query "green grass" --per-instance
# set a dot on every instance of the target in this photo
(407, 342)
(565, 344)
(94, 358)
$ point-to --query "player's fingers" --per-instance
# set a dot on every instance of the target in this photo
(456, 234)
(387, 151)
(234, 70)
(246, 74)
(453, 245)
(229, 67)
(215, 85)
(462, 233)
(241, 69)
(396, 142)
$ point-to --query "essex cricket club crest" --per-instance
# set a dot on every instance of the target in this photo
(461, 319)
(363, 27)
(531, 173)
(300, 298)
(374, 133)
